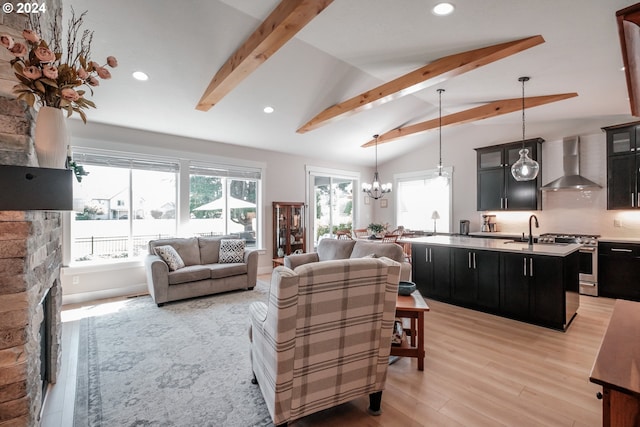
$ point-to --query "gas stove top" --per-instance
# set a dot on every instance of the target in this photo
(583, 239)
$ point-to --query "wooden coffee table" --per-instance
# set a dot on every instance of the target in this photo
(412, 307)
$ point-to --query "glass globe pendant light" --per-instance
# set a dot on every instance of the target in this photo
(375, 190)
(525, 169)
(442, 179)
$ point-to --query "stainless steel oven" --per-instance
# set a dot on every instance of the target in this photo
(588, 258)
(589, 270)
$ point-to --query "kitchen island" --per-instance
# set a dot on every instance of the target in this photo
(537, 285)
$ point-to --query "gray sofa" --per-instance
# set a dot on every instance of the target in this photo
(330, 249)
(202, 274)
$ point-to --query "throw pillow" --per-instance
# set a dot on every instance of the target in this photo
(231, 250)
(170, 256)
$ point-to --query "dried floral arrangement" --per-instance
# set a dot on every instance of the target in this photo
(48, 80)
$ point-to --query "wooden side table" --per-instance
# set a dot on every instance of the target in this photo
(277, 262)
(412, 307)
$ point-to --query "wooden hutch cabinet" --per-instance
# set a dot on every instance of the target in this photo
(288, 228)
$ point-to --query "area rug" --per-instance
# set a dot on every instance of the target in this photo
(184, 364)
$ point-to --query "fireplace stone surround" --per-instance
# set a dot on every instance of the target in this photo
(30, 259)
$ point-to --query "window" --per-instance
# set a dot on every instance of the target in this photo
(330, 202)
(126, 200)
(418, 196)
(223, 201)
(120, 205)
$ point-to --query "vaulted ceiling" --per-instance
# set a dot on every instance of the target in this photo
(348, 49)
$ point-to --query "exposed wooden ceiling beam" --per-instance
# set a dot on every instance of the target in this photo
(289, 17)
(492, 109)
(431, 74)
(629, 30)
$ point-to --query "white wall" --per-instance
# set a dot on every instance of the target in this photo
(283, 180)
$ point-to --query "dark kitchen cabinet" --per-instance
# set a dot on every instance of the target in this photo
(514, 289)
(538, 289)
(619, 270)
(496, 187)
(623, 161)
(431, 270)
(476, 278)
(533, 287)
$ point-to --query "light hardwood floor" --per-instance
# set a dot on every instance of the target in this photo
(480, 370)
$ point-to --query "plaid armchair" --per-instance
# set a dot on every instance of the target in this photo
(324, 337)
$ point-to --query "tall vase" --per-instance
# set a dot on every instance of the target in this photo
(51, 138)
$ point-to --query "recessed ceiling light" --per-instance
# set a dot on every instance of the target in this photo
(442, 9)
(268, 109)
(139, 75)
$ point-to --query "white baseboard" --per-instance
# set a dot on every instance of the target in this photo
(103, 294)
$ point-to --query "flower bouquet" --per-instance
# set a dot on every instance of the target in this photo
(45, 79)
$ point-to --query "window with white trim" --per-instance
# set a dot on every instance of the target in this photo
(126, 200)
(223, 201)
(421, 194)
(120, 205)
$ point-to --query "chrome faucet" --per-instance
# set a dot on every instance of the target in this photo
(531, 235)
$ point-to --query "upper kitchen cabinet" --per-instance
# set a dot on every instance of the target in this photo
(622, 166)
(497, 189)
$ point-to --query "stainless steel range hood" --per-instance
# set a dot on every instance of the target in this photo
(571, 180)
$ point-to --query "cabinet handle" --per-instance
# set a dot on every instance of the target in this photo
(621, 250)
(430, 255)
(599, 396)
(469, 254)
(501, 203)
(426, 255)
(530, 267)
(506, 203)
(525, 266)
(633, 204)
(474, 260)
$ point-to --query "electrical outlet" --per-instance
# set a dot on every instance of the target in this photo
(76, 280)
(617, 223)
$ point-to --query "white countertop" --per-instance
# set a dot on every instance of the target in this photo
(495, 245)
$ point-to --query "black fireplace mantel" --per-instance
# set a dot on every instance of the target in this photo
(24, 188)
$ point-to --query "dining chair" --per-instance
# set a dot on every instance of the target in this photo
(361, 233)
(390, 238)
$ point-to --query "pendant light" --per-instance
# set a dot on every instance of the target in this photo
(442, 179)
(375, 190)
(525, 169)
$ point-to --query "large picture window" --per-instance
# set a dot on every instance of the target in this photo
(120, 205)
(124, 202)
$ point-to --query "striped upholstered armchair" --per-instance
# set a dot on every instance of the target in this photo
(324, 336)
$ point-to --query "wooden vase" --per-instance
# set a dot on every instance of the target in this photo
(51, 138)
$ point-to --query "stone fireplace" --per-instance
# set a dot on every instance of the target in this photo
(30, 258)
